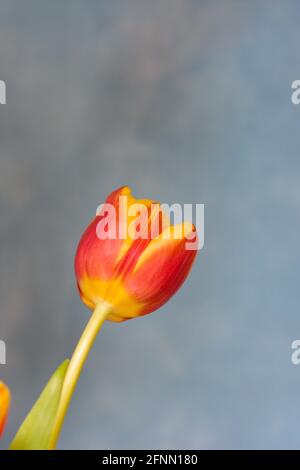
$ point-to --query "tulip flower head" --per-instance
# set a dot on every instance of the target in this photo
(135, 263)
(4, 405)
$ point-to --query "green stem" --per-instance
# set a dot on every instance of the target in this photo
(73, 372)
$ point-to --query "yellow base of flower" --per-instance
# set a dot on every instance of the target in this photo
(124, 305)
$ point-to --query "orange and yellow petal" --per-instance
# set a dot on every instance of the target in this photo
(4, 405)
(162, 268)
(96, 257)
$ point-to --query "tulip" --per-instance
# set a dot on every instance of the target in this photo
(126, 266)
(4, 405)
(133, 276)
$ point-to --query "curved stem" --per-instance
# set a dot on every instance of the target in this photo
(73, 372)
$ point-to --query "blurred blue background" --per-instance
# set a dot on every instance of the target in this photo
(184, 101)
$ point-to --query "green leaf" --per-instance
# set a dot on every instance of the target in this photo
(35, 432)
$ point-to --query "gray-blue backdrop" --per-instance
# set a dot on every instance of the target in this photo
(185, 101)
